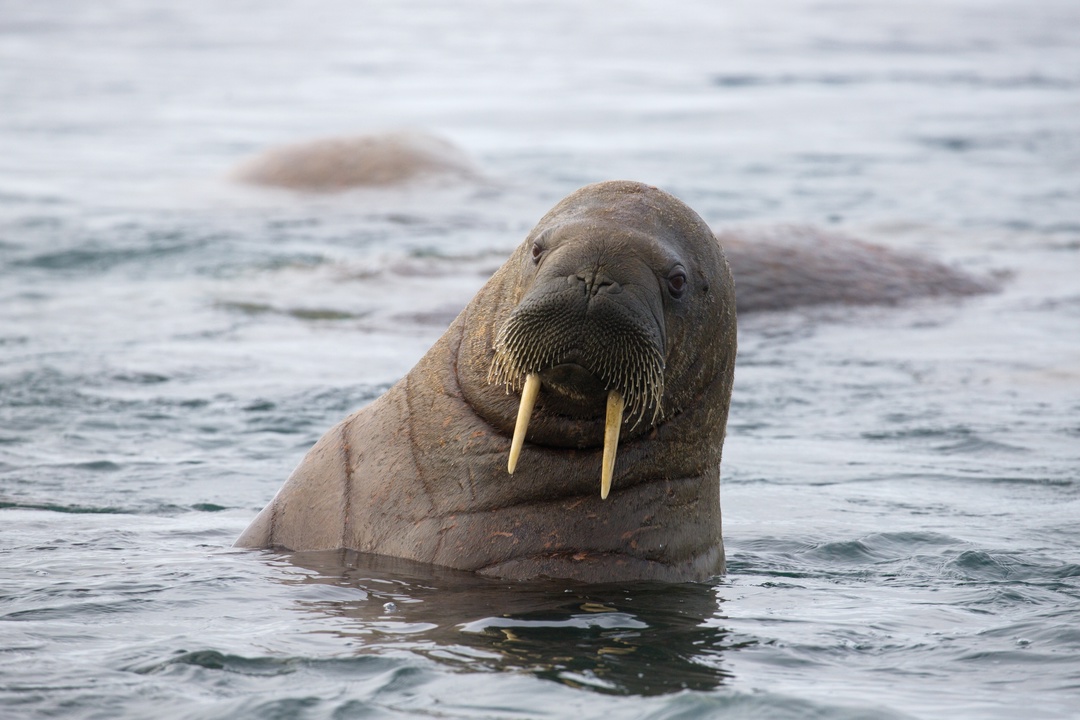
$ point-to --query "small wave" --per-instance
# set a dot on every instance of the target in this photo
(605, 620)
(268, 666)
(73, 509)
(94, 258)
(215, 660)
(80, 610)
(978, 565)
(983, 566)
(881, 547)
(299, 313)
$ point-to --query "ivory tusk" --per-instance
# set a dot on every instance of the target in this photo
(611, 440)
(528, 399)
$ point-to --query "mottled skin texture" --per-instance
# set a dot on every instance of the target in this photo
(421, 472)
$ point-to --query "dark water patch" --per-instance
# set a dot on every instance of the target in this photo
(86, 610)
(151, 244)
(956, 144)
(140, 378)
(979, 446)
(99, 258)
(72, 509)
(272, 263)
(86, 408)
(208, 507)
(971, 80)
(1047, 480)
(323, 314)
(947, 440)
(257, 309)
(95, 466)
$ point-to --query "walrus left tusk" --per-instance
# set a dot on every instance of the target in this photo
(615, 406)
(528, 399)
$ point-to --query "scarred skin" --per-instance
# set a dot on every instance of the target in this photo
(421, 473)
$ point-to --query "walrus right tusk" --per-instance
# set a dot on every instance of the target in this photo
(615, 406)
(528, 399)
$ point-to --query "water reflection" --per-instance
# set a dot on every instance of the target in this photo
(633, 639)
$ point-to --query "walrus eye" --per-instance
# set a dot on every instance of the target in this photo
(677, 282)
(537, 251)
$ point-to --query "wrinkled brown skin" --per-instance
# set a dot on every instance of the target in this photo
(421, 472)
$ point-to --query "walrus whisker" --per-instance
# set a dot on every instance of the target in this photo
(611, 440)
(637, 373)
(528, 399)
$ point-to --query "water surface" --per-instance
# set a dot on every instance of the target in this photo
(900, 485)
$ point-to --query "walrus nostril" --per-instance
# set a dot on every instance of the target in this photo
(594, 281)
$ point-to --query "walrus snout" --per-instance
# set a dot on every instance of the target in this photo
(584, 349)
(582, 346)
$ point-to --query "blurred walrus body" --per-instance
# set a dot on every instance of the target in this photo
(789, 266)
(336, 164)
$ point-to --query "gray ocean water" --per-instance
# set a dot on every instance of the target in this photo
(901, 485)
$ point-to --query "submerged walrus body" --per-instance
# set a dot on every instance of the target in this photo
(615, 319)
(788, 266)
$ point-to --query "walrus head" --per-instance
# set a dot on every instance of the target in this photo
(621, 316)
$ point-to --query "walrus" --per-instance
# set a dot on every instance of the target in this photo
(569, 423)
(334, 164)
(781, 267)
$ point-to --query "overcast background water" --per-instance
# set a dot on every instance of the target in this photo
(901, 486)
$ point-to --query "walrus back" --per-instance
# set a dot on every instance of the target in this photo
(790, 266)
(334, 164)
